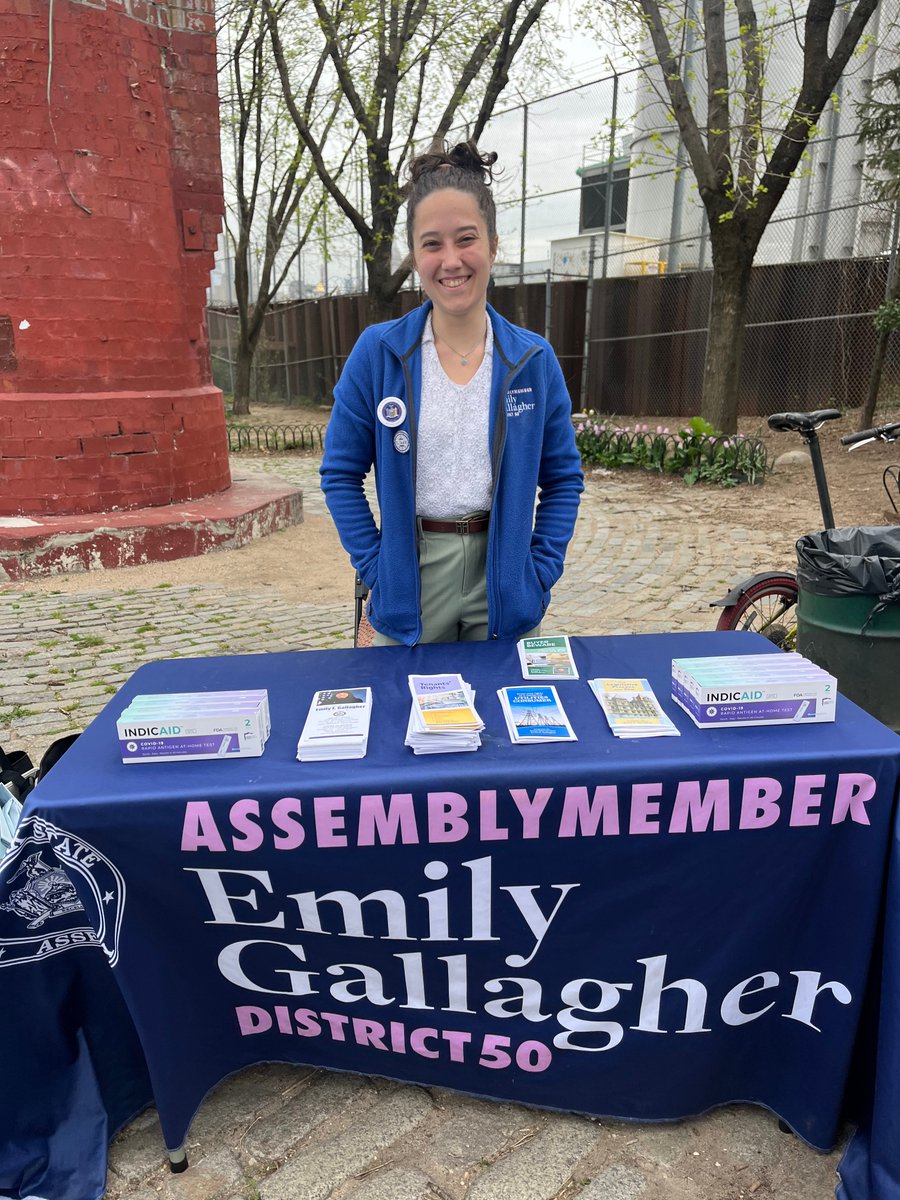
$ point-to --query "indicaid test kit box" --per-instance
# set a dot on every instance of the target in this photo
(182, 726)
(751, 689)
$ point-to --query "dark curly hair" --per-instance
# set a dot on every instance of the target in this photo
(463, 168)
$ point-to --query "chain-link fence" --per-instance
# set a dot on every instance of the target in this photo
(629, 345)
(809, 340)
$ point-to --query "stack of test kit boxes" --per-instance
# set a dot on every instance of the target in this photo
(179, 726)
(753, 689)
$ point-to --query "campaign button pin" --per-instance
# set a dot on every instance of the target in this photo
(401, 441)
(391, 411)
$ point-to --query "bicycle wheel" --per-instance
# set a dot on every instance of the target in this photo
(768, 607)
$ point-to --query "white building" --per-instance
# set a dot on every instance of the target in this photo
(822, 214)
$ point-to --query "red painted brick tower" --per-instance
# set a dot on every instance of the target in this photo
(110, 205)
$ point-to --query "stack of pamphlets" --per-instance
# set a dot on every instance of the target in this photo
(631, 708)
(535, 714)
(753, 689)
(337, 725)
(442, 716)
(546, 658)
(177, 726)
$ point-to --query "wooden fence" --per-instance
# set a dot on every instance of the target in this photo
(809, 340)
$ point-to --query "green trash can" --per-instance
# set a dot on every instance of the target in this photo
(848, 613)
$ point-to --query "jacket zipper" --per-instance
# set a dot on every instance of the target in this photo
(501, 418)
(412, 453)
(497, 459)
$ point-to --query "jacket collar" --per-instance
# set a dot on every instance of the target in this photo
(404, 335)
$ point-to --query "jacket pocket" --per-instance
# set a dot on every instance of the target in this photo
(535, 597)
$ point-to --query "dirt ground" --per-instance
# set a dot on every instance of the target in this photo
(786, 503)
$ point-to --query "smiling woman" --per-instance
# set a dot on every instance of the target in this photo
(464, 416)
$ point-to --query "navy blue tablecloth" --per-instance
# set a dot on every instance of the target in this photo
(640, 929)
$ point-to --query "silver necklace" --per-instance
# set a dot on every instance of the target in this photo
(464, 358)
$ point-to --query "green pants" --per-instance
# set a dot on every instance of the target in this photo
(454, 588)
(452, 569)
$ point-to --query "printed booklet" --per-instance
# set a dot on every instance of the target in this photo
(535, 714)
(631, 708)
(337, 725)
(442, 715)
(546, 658)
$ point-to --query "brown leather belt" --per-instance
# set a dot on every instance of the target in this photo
(466, 525)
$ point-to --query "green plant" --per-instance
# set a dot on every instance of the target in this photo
(16, 713)
(887, 316)
(696, 452)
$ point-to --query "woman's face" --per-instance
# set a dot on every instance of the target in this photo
(452, 252)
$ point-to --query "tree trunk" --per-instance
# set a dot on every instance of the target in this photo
(867, 417)
(381, 291)
(243, 369)
(725, 343)
(244, 354)
(378, 308)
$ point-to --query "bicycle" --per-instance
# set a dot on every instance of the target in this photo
(766, 603)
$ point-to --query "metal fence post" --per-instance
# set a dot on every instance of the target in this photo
(548, 304)
(588, 308)
(284, 348)
(524, 192)
(610, 172)
(227, 320)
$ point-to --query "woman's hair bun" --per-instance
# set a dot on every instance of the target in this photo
(463, 168)
(465, 156)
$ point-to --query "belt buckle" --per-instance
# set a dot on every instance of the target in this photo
(462, 527)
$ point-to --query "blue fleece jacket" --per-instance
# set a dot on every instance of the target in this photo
(532, 447)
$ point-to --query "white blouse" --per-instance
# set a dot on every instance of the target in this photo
(453, 455)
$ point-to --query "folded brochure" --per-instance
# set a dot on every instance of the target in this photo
(631, 708)
(443, 702)
(442, 715)
(337, 724)
(546, 658)
(534, 714)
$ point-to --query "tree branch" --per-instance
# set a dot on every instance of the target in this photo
(679, 99)
(477, 59)
(341, 66)
(820, 75)
(751, 55)
(503, 60)
(718, 132)
(328, 178)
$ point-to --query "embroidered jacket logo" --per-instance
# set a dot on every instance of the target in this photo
(516, 404)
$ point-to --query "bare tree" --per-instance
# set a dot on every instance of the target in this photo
(271, 184)
(408, 70)
(879, 130)
(744, 146)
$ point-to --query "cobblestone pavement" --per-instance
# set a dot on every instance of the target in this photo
(640, 562)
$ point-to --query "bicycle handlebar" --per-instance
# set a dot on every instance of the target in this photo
(886, 433)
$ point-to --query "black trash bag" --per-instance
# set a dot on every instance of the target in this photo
(54, 753)
(860, 560)
(16, 772)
